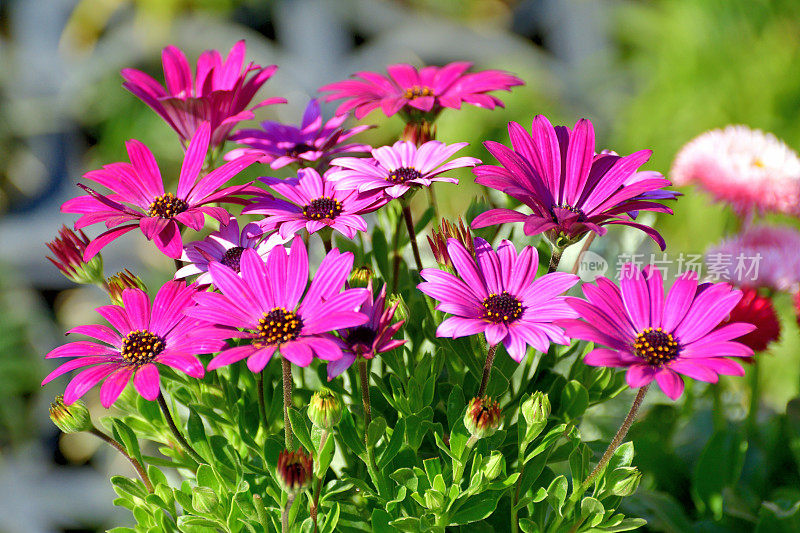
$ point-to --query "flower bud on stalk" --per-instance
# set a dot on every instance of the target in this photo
(295, 471)
(324, 409)
(120, 281)
(449, 230)
(68, 249)
(72, 418)
(397, 301)
(360, 277)
(483, 417)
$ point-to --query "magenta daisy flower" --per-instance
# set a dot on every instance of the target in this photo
(656, 337)
(396, 169)
(427, 90)
(139, 200)
(497, 293)
(313, 202)
(271, 307)
(373, 337)
(225, 246)
(569, 189)
(219, 93)
(140, 337)
(312, 142)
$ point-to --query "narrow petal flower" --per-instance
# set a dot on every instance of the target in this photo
(658, 337)
(220, 93)
(313, 142)
(569, 188)
(396, 169)
(143, 336)
(424, 91)
(497, 293)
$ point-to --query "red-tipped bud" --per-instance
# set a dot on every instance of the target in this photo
(449, 230)
(120, 281)
(295, 470)
(68, 249)
(483, 417)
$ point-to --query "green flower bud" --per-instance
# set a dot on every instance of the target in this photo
(204, 500)
(401, 313)
(535, 410)
(324, 409)
(483, 417)
(295, 470)
(72, 418)
(360, 277)
(624, 481)
(120, 281)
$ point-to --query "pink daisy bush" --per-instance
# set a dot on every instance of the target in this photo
(749, 169)
(138, 199)
(140, 337)
(569, 188)
(313, 202)
(219, 93)
(398, 168)
(225, 246)
(497, 293)
(313, 142)
(273, 307)
(412, 91)
(658, 337)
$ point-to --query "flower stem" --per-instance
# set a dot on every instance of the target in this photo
(362, 371)
(287, 401)
(285, 513)
(555, 259)
(412, 235)
(136, 464)
(487, 370)
(171, 423)
(262, 405)
(326, 237)
(584, 248)
(318, 490)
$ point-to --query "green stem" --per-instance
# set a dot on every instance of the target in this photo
(434, 203)
(285, 513)
(487, 370)
(326, 235)
(287, 402)
(412, 235)
(262, 405)
(121, 449)
(364, 374)
(162, 403)
(263, 518)
(318, 490)
(555, 259)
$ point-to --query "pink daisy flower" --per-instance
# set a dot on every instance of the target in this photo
(313, 202)
(273, 310)
(312, 142)
(139, 200)
(569, 188)
(396, 169)
(369, 339)
(219, 93)
(749, 169)
(760, 256)
(656, 337)
(141, 337)
(427, 90)
(498, 294)
(225, 246)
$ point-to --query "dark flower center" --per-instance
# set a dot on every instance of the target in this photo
(502, 308)
(416, 91)
(232, 257)
(167, 206)
(299, 148)
(323, 208)
(278, 326)
(656, 346)
(361, 335)
(141, 346)
(403, 174)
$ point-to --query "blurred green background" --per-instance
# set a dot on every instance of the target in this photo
(649, 74)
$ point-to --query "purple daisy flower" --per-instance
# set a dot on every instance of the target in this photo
(219, 93)
(225, 246)
(657, 337)
(144, 336)
(498, 294)
(569, 189)
(371, 338)
(314, 202)
(396, 169)
(139, 198)
(271, 307)
(427, 90)
(312, 142)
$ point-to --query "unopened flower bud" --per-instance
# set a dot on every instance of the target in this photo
(72, 418)
(483, 417)
(535, 410)
(324, 409)
(360, 277)
(624, 481)
(204, 500)
(449, 230)
(116, 284)
(295, 470)
(396, 302)
(68, 249)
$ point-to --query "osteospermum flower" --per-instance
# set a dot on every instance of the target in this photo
(427, 90)
(141, 336)
(660, 337)
(313, 202)
(139, 200)
(498, 294)
(760, 256)
(749, 169)
(569, 189)
(758, 310)
(396, 169)
(219, 93)
(271, 307)
(225, 246)
(312, 142)
(371, 338)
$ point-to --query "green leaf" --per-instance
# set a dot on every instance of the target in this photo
(574, 400)
(376, 430)
(718, 467)
(394, 445)
(331, 519)
(350, 437)
(455, 406)
(476, 507)
(772, 518)
(557, 493)
(380, 522)
(380, 251)
(592, 511)
(325, 456)
(627, 524)
(300, 429)
(129, 487)
(196, 434)
(125, 435)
